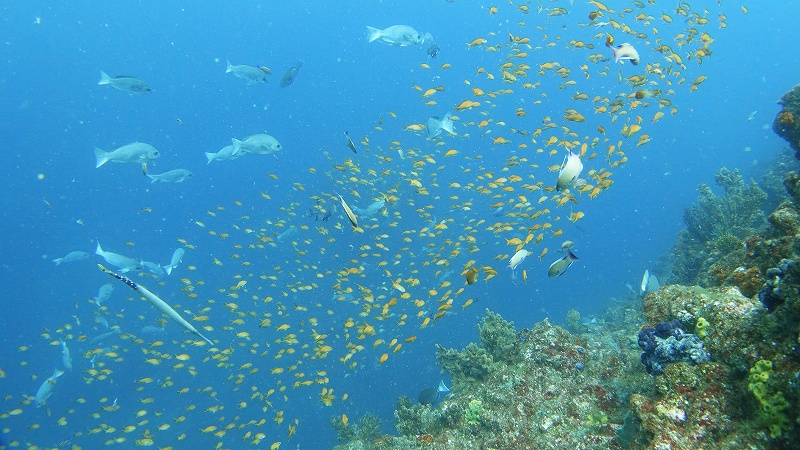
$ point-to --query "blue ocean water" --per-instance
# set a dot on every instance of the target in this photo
(55, 201)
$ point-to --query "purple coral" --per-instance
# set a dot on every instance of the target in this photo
(666, 343)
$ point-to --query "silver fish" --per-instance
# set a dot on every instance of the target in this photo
(177, 257)
(99, 339)
(625, 52)
(227, 153)
(66, 358)
(401, 35)
(124, 83)
(124, 263)
(171, 176)
(561, 265)
(136, 152)
(46, 389)
(251, 74)
(154, 268)
(570, 170)
(71, 257)
(262, 144)
(104, 293)
(436, 125)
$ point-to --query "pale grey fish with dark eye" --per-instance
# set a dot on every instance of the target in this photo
(124, 83)
(401, 35)
(171, 176)
(177, 257)
(154, 268)
(136, 152)
(262, 144)
(227, 153)
(46, 389)
(104, 293)
(71, 257)
(124, 263)
(625, 52)
(251, 74)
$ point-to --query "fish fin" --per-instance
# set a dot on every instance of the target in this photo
(102, 157)
(58, 260)
(571, 255)
(374, 33)
(99, 250)
(210, 156)
(237, 145)
(168, 268)
(228, 69)
(57, 373)
(104, 78)
(153, 178)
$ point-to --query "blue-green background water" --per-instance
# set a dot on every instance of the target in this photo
(54, 113)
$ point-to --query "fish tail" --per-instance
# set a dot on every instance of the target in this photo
(168, 269)
(104, 78)
(102, 157)
(99, 250)
(571, 255)
(153, 178)
(229, 68)
(57, 373)
(374, 33)
(58, 260)
(210, 156)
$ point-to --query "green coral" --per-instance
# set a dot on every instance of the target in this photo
(701, 328)
(474, 413)
(473, 363)
(366, 430)
(499, 337)
(574, 321)
(724, 220)
(772, 412)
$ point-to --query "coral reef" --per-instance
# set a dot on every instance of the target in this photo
(787, 122)
(498, 337)
(717, 225)
(366, 429)
(469, 365)
(574, 321)
(666, 343)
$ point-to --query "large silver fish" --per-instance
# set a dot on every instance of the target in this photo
(251, 74)
(71, 256)
(124, 263)
(46, 389)
(227, 153)
(171, 176)
(103, 294)
(66, 358)
(561, 265)
(402, 35)
(177, 257)
(136, 152)
(124, 83)
(262, 144)
(570, 170)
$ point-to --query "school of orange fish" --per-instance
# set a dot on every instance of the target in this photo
(277, 332)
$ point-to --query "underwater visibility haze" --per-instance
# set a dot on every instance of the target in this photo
(261, 224)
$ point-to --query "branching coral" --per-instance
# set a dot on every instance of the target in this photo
(737, 214)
